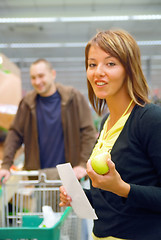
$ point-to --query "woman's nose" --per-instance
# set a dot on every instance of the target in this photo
(100, 70)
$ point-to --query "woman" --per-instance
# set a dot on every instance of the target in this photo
(127, 199)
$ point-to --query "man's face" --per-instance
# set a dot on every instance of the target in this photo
(42, 79)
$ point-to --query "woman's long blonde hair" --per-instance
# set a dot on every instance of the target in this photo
(121, 45)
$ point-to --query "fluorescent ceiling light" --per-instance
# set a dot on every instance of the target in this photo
(80, 19)
(146, 17)
(4, 45)
(73, 59)
(65, 45)
(94, 19)
(35, 45)
(51, 59)
(28, 20)
(149, 43)
(42, 45)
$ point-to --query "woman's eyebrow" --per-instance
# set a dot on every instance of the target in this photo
(91, 58)
(96, 58)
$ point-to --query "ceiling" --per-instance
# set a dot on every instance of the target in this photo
(58, 31)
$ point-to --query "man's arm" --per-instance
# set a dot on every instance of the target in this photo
(14, 138)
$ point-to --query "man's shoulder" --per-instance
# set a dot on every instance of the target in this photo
(29, 97)
(66, 88)
(68, 92)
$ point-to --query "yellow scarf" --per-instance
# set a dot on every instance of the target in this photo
(107, 139)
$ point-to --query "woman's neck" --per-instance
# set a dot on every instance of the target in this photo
(117, 109)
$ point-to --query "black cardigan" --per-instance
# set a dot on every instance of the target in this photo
(137, 157)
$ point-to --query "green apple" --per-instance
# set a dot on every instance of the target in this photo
(99, 163)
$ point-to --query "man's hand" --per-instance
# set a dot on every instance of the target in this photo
(80, 172)
(4, 175)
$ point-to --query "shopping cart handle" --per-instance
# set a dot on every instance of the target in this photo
(25, 173)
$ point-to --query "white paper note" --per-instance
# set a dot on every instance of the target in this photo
(80, 203)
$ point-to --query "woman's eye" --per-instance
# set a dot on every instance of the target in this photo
(111, 64)
(91, 65)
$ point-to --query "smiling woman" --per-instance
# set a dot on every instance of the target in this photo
(126, 199)
(115, 79)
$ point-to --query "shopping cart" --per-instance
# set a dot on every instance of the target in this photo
(22, 212)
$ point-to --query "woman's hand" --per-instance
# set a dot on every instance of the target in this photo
(65, 200)
(111, 181)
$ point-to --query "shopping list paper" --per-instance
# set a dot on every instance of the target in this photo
(80, 203)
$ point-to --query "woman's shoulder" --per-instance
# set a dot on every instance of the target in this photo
(147, 117)
(149, 110)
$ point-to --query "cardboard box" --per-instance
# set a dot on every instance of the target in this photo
(7, 66)
(7, 114)
(10, 91)
(10, 88)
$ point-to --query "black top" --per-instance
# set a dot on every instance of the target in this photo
(137, 157)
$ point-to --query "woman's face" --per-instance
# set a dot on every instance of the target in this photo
(105, 74)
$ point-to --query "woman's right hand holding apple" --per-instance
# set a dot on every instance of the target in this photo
(111, 181)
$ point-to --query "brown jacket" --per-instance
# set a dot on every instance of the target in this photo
(79, 131)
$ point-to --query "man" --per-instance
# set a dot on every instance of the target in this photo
(54, 123)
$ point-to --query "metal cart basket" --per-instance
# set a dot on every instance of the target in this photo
(22, 210)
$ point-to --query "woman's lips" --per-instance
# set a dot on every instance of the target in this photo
(100, 83)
